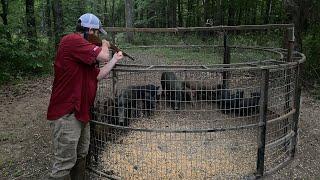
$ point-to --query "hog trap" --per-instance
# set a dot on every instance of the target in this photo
(226, 108)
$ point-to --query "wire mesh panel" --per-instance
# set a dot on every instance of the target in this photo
(174, 125)
(165, 119)
(280, 129)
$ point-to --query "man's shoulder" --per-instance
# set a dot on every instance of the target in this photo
(72, 37)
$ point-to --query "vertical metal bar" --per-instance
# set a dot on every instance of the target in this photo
(113, 37)
(288, 79)
(262, 123)
(226, 59)
(114, 82)
(290, 43)
(285, 39)
(289, 59)
(297, 95)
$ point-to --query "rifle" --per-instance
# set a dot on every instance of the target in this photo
(97, 41)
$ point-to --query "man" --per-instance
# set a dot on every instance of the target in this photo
(74, 89)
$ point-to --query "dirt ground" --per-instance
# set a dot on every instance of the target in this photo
(25, 135)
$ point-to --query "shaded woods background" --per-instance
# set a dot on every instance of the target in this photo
(29, 29)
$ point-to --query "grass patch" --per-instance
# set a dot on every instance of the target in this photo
(190, 55)
(17, 173)
(203, 56)
(7, 136)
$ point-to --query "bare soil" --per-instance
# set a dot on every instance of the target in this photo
(25, 135)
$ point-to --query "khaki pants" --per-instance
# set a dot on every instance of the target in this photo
(71, 139)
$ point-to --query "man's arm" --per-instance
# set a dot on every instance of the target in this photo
(104, 71)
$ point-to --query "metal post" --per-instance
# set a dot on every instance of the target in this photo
(114, 82)
(289, 59)
(290, 43)
(113, 37)
(262, 123)
(226, 59)
(297, 95)
(288, 79)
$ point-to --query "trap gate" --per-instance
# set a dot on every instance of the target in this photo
(188, 120)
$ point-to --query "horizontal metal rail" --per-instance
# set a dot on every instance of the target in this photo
(211, 68)
(281, 140)
(202, 130)
(285, 116)
(194, 29)
(177, 131)
(279, 166)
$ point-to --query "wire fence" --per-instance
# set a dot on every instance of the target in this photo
(233, 115)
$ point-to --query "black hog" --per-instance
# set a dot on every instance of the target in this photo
(227, 101)
(248, 106)
(128, 103)
(235, 102)
(103, 110)
(173, 89)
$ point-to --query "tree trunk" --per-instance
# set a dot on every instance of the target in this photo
(239, 21)
(151, 13)
(164, 14)
(105, 13)
(190, 15)
(301, 20)
(298, 12)
(31, 21)
(112, 22)
(254, 15)
(262, 11)
(172, 19)
(57, 20)
(231, 13)
(268, 12)
(112, 14)
(180, 23)
(43, 18)
(4, 14)
(99, 7)
(221, 14)
(246, 12)
(81, 7)
(198, 14)
(129, 6)
(206, 10)
(48, 19)
(92, 5)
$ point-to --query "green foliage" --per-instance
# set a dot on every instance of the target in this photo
(20, 58)
(311, 49)
(7, 136)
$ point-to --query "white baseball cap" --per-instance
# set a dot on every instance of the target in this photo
(89, 20)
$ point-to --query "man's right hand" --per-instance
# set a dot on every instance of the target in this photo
(118, 56)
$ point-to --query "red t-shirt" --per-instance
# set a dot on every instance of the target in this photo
(75, 78)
